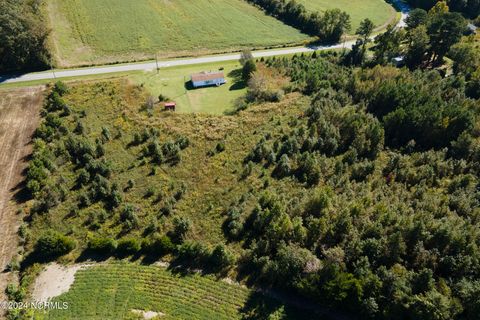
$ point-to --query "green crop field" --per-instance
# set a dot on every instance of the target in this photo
(112, 291)
(379, 11)
(96, 31)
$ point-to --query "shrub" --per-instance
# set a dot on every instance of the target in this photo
(193, 253)
(181, 226)
(60, 88)
(150, 192)
(220, 258)
(83, 177)
(129, 216)
(53, 244)
(162, 98)
(79, 128)
(128, 246)
(13, 265)
(115, 198)
(130, 184)
(158, 245)
(220, 147)
(106, 136)
(283, 167)
(183, 142)
(15, 293)
(102, 244)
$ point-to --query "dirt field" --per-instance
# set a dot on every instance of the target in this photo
(19, 116)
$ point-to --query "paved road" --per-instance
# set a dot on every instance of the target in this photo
(151, 65)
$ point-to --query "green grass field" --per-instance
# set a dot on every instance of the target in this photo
(99, 31)
(378, 11)
(173, 83)
(112, 291)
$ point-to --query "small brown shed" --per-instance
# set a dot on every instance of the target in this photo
(170, 106)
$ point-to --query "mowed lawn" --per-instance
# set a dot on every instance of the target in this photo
(114, 291)
(174, 83)
(379, 11)
(96, 31)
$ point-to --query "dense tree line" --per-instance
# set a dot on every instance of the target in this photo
(329, 27)
(470, 8)
(426, 40)
(23, 35)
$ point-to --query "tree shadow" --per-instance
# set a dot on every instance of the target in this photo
(21, 194)
(259, 306)
(90, 255)
(238, 82)
(238, 86)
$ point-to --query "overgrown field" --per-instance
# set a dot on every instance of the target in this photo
(112, 291)
(94, 31)
(200, 187)
(379, 11)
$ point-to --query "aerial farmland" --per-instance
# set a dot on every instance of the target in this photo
(239, 159)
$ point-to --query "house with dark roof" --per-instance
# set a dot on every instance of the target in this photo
(205, 79)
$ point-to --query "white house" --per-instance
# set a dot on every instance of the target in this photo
(204, 79)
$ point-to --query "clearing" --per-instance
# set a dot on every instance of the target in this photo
(379, 11)
(19, 116)
(174, 83)
(102, 31)
(130, 291)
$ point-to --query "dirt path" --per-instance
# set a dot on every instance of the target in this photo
(19, 116)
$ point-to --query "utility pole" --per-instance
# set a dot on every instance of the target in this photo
(53, 71)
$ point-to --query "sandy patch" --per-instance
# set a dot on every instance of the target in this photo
(162, 264)
(148, 314)
(54, 280)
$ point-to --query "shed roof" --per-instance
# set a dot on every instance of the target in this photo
(205, 76)
(170, 104)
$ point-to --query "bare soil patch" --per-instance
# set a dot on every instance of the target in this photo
(148, 315)
(54, 280)
(19, 117)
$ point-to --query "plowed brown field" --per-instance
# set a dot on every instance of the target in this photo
(19, 116)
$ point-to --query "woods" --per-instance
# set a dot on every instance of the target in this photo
(23, 36)
(390, 230)
(470, 8)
